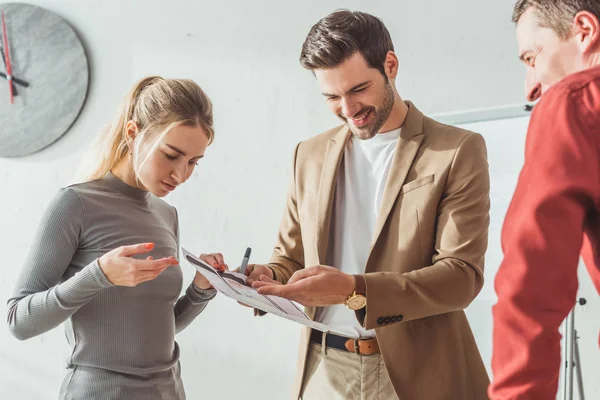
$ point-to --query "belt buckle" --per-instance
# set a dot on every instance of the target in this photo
(356, 346)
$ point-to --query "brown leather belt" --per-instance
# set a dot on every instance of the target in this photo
(365, 347)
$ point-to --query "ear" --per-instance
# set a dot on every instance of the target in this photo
(131, 130)
(587, 27)
(391, 65)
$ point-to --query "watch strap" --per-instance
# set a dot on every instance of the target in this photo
(360, 285)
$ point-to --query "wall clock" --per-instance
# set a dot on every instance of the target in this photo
(44, 77)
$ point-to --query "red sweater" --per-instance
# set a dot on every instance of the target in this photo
(555, 210)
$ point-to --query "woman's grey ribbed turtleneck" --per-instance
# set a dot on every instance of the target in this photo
(122, 338)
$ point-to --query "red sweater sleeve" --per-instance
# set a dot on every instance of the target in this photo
(541, 240)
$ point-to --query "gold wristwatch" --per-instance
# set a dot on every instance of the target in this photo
(358, 298)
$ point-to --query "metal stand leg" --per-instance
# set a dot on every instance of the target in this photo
(578, 366)
(571, 356)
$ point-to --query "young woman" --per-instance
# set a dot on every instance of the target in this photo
(104, 256)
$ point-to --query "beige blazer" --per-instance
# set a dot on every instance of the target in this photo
(425, 264)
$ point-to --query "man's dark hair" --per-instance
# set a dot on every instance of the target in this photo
(339, 35)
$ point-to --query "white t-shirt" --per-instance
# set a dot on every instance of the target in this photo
(360, 183)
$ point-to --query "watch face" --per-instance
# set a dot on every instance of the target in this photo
(357, 302)
(49, 70)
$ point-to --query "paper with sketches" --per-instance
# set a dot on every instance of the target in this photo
(233, 285)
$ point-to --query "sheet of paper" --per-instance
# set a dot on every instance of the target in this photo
(233, 285)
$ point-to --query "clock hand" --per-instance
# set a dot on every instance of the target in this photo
(8, 66)
(16, 81)
(2, 74)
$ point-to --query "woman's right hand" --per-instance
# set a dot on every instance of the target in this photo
(122, 270)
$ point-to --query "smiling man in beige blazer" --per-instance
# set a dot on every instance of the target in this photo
(384, 233)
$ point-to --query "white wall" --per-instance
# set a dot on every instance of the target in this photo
(245, 56)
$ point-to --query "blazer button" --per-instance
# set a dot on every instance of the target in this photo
(394, 319)
(386, 320)
(380, 320)
(400, 317)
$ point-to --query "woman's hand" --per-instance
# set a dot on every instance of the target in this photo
(122, 270)
(217, 261)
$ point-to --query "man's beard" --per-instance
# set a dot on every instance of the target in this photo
(379, 115)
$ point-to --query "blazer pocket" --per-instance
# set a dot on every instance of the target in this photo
(417, 183)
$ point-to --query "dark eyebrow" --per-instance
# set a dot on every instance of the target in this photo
(180, 151)
(176, 149)
(353, 88)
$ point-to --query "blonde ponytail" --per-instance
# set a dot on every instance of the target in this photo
(154, 103)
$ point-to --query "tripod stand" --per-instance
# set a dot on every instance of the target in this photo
(571, 356)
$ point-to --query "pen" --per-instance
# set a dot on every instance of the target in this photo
(245, 261)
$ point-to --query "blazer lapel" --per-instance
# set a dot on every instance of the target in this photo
(327, 184)
(408, 144)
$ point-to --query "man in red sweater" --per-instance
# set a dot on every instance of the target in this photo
(554, 215)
